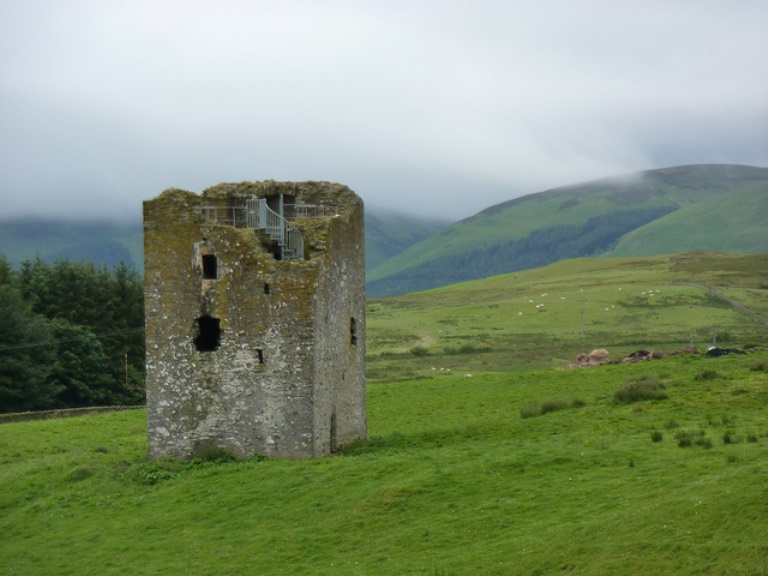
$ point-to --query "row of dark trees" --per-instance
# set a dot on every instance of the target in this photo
(72, 335)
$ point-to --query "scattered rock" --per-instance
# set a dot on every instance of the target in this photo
(600, 356)
(594, 358)
(716, 351)
(646, 355)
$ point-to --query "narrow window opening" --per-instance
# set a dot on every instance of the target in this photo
(208, 338)
(261, 356)
(266, 288)
(353, 331)
(210, 267)
(333, 432)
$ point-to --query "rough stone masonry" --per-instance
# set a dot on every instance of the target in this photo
(255, 343)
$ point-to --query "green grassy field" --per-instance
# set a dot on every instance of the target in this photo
(478, 462)
(547, 316)
(454, 480)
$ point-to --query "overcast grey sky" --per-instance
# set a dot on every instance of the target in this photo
(438, 108)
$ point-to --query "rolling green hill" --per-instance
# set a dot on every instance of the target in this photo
(389, 233)
(587, 219)
(735, 222)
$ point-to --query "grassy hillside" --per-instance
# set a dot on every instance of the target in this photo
(389, 233)
(545, 317)
(731, 223)
(574, 221)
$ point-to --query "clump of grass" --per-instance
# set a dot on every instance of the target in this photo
(157, 471)
(759, 366)
(686, 438)
(729, 438)
(646, 387)
(706, 375)
(81, 473)
(704, 442)
(751, 438)
(419, 351)
(551, 405)
(657, 436)
(163, 469)
(671, 425)
(530, 411)
(466, 349)
(213, 454)
(554, 405)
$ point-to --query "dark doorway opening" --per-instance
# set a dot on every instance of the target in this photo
(274, 201)
(208, 338)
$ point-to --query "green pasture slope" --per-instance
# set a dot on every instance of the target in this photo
(475, 464)
(733, 223)
(545, 317)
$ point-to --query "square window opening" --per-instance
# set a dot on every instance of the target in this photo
(208, 337)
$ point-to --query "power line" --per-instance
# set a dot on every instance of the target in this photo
(73, 339)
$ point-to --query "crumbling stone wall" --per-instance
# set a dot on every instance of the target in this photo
(246, 351)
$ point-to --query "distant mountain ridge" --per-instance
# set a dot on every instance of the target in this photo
(105, 242)
(659, 211)
(711, 207)
(101, 241)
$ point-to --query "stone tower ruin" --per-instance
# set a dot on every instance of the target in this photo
(255, 319)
